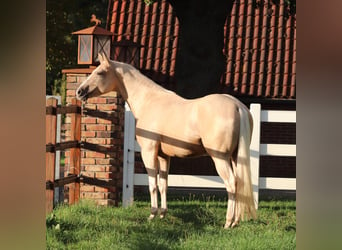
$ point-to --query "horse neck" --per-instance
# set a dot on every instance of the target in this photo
(136, 88)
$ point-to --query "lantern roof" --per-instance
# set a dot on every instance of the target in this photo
(94, 30)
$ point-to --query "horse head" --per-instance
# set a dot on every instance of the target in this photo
(102, 80)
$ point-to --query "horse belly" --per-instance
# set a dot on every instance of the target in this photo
(179, 148)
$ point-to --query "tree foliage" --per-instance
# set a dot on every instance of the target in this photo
(62, 18)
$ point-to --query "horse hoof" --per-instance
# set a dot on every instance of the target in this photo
(228, 225)
(163, 212)
(235, 223)
(154, 212)
(151, 217)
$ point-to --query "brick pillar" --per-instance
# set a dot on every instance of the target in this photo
(102, 127)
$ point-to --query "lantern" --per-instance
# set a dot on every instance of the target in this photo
(127, 51)
(91, 41)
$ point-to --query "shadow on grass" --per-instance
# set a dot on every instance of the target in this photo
(277, 207)
(190, 207)
(163, 238)
(187, 215)
(185, 197)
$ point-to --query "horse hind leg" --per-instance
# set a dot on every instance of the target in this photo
(225, 171)
(237, 215)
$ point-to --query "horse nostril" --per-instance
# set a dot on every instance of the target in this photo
(79, 92)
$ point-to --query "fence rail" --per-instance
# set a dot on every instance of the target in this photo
(52, 110)
(200, 181)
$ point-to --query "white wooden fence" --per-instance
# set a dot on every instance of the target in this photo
(131, 146)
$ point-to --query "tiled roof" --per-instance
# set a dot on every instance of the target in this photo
(260, 44)
(261, 49)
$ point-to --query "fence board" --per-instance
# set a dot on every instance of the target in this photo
(50, 137)
(75, 154)
(277, 183)
(129, 148)
(174, 180)
(63, 110)
(208, 181)
(58, 196)
(278, 149)
(255, 151)
(278, 116)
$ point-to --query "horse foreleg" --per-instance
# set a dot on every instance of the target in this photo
(150, 161)
(224, 169)
(164, 164)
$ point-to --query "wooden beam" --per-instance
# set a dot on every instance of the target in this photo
(62, 181)
(75, 153)
(50, 138)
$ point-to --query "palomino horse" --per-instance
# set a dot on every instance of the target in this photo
(168, 125)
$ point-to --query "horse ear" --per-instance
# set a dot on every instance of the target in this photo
(99, 55)
(103, 57)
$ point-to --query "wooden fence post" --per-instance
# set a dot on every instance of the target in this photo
(75, 153)
(50, 138)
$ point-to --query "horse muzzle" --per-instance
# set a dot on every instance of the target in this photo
(82, 93)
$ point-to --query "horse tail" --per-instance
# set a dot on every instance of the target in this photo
(244, 193)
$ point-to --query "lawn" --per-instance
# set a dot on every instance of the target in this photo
(193, 222)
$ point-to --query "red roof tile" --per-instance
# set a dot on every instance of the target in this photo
(260, 44)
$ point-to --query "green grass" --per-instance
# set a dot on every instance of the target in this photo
(193, 222)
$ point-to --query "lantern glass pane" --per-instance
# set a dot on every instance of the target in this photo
(85, 48)
(102, 44)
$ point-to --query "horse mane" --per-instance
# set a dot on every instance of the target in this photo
(143, 80)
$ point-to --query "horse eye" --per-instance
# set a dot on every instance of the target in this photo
(101, 72)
